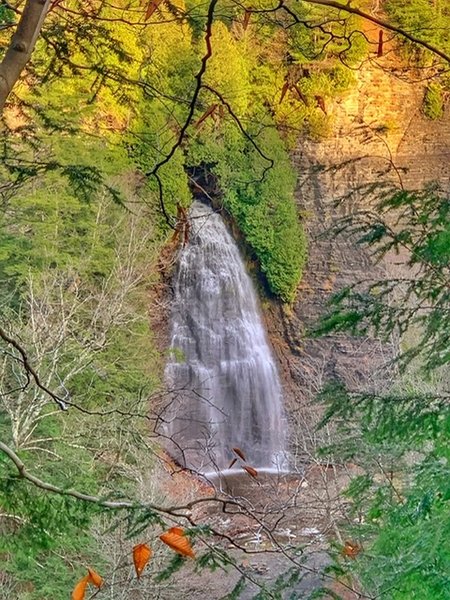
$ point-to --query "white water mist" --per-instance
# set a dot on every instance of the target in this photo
(226, 389)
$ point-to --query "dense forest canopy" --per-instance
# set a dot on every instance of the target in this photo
(115, 115)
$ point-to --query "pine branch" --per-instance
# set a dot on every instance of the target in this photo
(175, 510)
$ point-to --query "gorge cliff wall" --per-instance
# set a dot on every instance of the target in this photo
(380, 134)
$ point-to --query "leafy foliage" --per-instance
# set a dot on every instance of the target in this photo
(415, 15)
(433, 103)
(260, 199)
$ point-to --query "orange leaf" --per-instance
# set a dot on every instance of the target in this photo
(251, 471)
(380, 44)
(152, 6)
(79, 590)
(177, 530)
(141, 555)
(95, 578)
(177, 541)
(351, 549)
(239, 452)
(233, 462)
(284, 91)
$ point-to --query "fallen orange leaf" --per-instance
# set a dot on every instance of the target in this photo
(79, 590)
(176, 540)
(95, 578)
(141, 555)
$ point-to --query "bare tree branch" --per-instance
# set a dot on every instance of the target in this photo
(241, 128)
(110, 504)
(31, 20)
(192, 107)
(30, 370)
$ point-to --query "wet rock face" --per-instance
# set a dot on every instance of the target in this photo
(380, 136)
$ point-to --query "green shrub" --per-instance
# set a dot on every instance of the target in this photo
(433, 102)
(261, 200)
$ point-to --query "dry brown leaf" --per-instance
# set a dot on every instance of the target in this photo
(284, 90)
(178, 541)
(232, 463)
(302, 96)
(239, 452)
(141, 555)
(246, 20)
(152, 6)
(79, 591)
(351, 549)
(205, 115)
(250, 470)
(321, 103)
(380, 44)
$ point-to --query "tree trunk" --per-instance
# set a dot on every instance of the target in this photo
(21, 46)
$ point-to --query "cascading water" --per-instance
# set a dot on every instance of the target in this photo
(226, 390)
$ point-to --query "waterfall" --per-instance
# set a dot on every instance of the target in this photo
(224, 383)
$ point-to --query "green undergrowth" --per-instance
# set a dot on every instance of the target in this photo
(429, 21)
(396, 429)
(260, 197)
(433, 103)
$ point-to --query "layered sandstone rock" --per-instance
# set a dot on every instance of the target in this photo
(380, 135)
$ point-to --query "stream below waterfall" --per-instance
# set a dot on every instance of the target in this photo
(225, 389)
